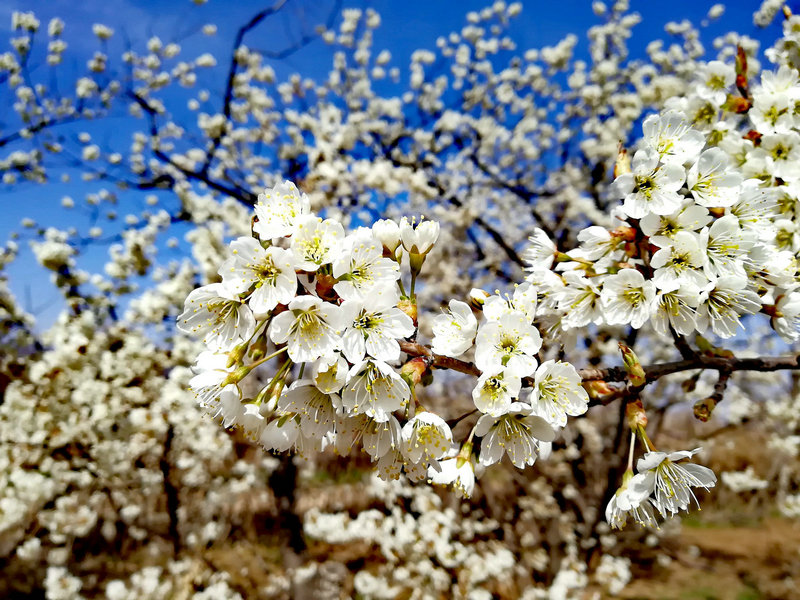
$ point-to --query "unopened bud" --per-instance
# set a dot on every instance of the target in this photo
(634, 368)
(623, 163)
(409, 306)
(703, 409)
(787, 12)
(753, 136)
(717, 211)
(637, 418)
(258, 349)
(690, 384)
(477, 297)
(624, 232)
(736, 104)
(236, 376)
(236, 355)
(324, 287)
(598, 388)
(414, 371)
(388, 233)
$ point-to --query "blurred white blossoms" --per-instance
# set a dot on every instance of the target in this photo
(278, 210)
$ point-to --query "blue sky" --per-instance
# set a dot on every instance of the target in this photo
(406, 26)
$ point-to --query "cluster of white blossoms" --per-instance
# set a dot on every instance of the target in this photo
(303, 292)
(705, 235)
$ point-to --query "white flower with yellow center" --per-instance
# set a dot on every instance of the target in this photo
(381, 437)
(557, 392)
(457, 471)
(662, 228)
(517, 433)
(712, 181)
(579, 301)
(681, 259)
(212, 375)
(426, 437)
(722, 302)
(372, 326)
(675, 306)
(630, 501)
(317, 411)
(714, 80)
(310, 328)
(362, 270)
(628, 299)
(650, 187)
(659, 474)
(786, 320)
(374, 389)
(215, 313)
(524, 299)
(671, 136)
(268, 271)
(329, 373)
(316, 242)
(278, 210)
(280, 434)
(495, 391)
(756, 208)
(454, 331)
(726, 247)
(510, 343)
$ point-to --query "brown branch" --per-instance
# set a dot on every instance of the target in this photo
(618, 374)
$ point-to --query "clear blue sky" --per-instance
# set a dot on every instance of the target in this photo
(406, 26)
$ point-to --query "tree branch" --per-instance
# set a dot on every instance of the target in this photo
(618, 374)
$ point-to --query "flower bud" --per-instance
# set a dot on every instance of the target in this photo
(623, 163)
(324, 287)
(634, 368)
(690, 384)
(598, 388)
(703, 409)
(477, 297)
(637, 418)
(236, 355)
(409, 306)
(388, 233)
(414, 371)
(625, 233)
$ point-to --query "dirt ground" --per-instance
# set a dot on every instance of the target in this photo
(754, 562)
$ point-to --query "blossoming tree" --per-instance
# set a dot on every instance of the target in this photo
(577, 235)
